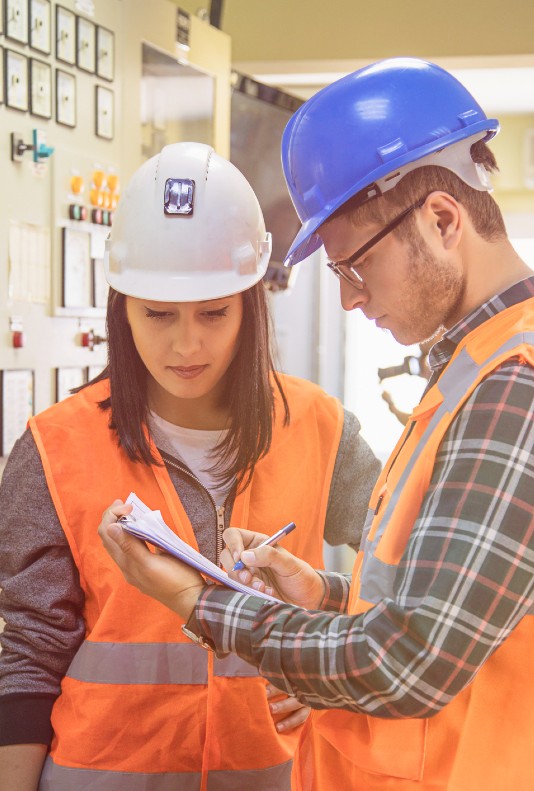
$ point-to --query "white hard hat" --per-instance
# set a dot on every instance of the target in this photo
(188, 227)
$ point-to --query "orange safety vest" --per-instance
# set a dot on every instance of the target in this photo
(140, 705)
(482, 739)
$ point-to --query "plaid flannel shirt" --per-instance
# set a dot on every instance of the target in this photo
(464, 583)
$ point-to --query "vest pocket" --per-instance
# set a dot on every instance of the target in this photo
(393, 748)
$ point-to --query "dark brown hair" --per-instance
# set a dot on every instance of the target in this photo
(249, 394)
(481, 207)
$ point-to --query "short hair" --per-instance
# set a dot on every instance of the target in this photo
(480, 205)
(249, 394)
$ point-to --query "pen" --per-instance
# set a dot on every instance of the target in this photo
(274, 539)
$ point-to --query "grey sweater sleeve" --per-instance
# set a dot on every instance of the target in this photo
(355, 473)
(41, 599)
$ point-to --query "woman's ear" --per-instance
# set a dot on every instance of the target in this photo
(445, 219)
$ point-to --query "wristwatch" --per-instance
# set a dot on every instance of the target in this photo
(203, 642)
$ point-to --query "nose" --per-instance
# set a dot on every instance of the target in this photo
(186, 340)
(352, 297)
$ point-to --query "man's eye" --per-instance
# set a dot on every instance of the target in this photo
(357, 267)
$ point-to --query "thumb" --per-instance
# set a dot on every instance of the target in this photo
(121, 545)
(275, 558)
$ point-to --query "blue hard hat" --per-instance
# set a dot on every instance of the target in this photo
(362, 128)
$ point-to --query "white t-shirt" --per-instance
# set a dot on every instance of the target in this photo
(194, 447)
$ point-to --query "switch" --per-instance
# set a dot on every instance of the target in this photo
(77, 212)
(90, 340)
(18, 339)
(40, 149)
(76, 184)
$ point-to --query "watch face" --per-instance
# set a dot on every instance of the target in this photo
(40, 25)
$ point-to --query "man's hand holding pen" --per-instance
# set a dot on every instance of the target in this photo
(271, 568)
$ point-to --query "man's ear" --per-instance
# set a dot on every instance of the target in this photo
(445, 218)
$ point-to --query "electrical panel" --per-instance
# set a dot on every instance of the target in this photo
(84, 99)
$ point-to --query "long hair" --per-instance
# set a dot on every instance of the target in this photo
(249, 393)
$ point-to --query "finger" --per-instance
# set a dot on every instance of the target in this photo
(252, 580)
(285, 705)
(237, 539)
(115, 511)
(122, 546)
(294, 720)
(247, 578)
(278, 559)
(227, 560)
(272, 692)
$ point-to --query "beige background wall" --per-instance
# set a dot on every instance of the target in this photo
(339, 29)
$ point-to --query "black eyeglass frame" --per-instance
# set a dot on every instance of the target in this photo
(352, 276)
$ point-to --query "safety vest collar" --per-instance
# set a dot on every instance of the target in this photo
(417, 448)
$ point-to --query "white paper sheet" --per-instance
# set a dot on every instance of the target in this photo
(149, 526)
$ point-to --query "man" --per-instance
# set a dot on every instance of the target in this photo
(423, 668)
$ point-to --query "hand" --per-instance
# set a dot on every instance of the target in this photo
(272, 569)
(157, 574)
(294, 713)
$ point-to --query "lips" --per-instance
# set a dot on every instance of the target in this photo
(188, 371)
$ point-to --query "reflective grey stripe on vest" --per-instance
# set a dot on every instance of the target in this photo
(62, 778)
(151, 663)
(377, 577)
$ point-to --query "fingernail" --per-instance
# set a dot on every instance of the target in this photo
(257, 585)
(274, 708)
(269, 591)
(280, 726)
(243, 576)
(248, 557)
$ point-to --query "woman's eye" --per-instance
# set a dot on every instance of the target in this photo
(157, 314)
(213, 315)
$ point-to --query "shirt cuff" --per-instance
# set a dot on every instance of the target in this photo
(225, 618)
(26, 719)
(336, 591)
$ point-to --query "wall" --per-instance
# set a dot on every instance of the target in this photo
(292, 30)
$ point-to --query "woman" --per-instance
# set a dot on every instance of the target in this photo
(190, 415)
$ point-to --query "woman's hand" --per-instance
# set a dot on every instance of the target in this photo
(157, 574)
(287, 710)
(272, 569)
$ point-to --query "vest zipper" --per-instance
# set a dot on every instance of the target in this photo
(220, 530)
(219, 510)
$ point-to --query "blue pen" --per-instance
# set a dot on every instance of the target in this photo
(274, 539)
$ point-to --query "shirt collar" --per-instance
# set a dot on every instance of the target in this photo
(441, 352)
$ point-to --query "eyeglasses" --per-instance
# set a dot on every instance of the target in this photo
(347, 269)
